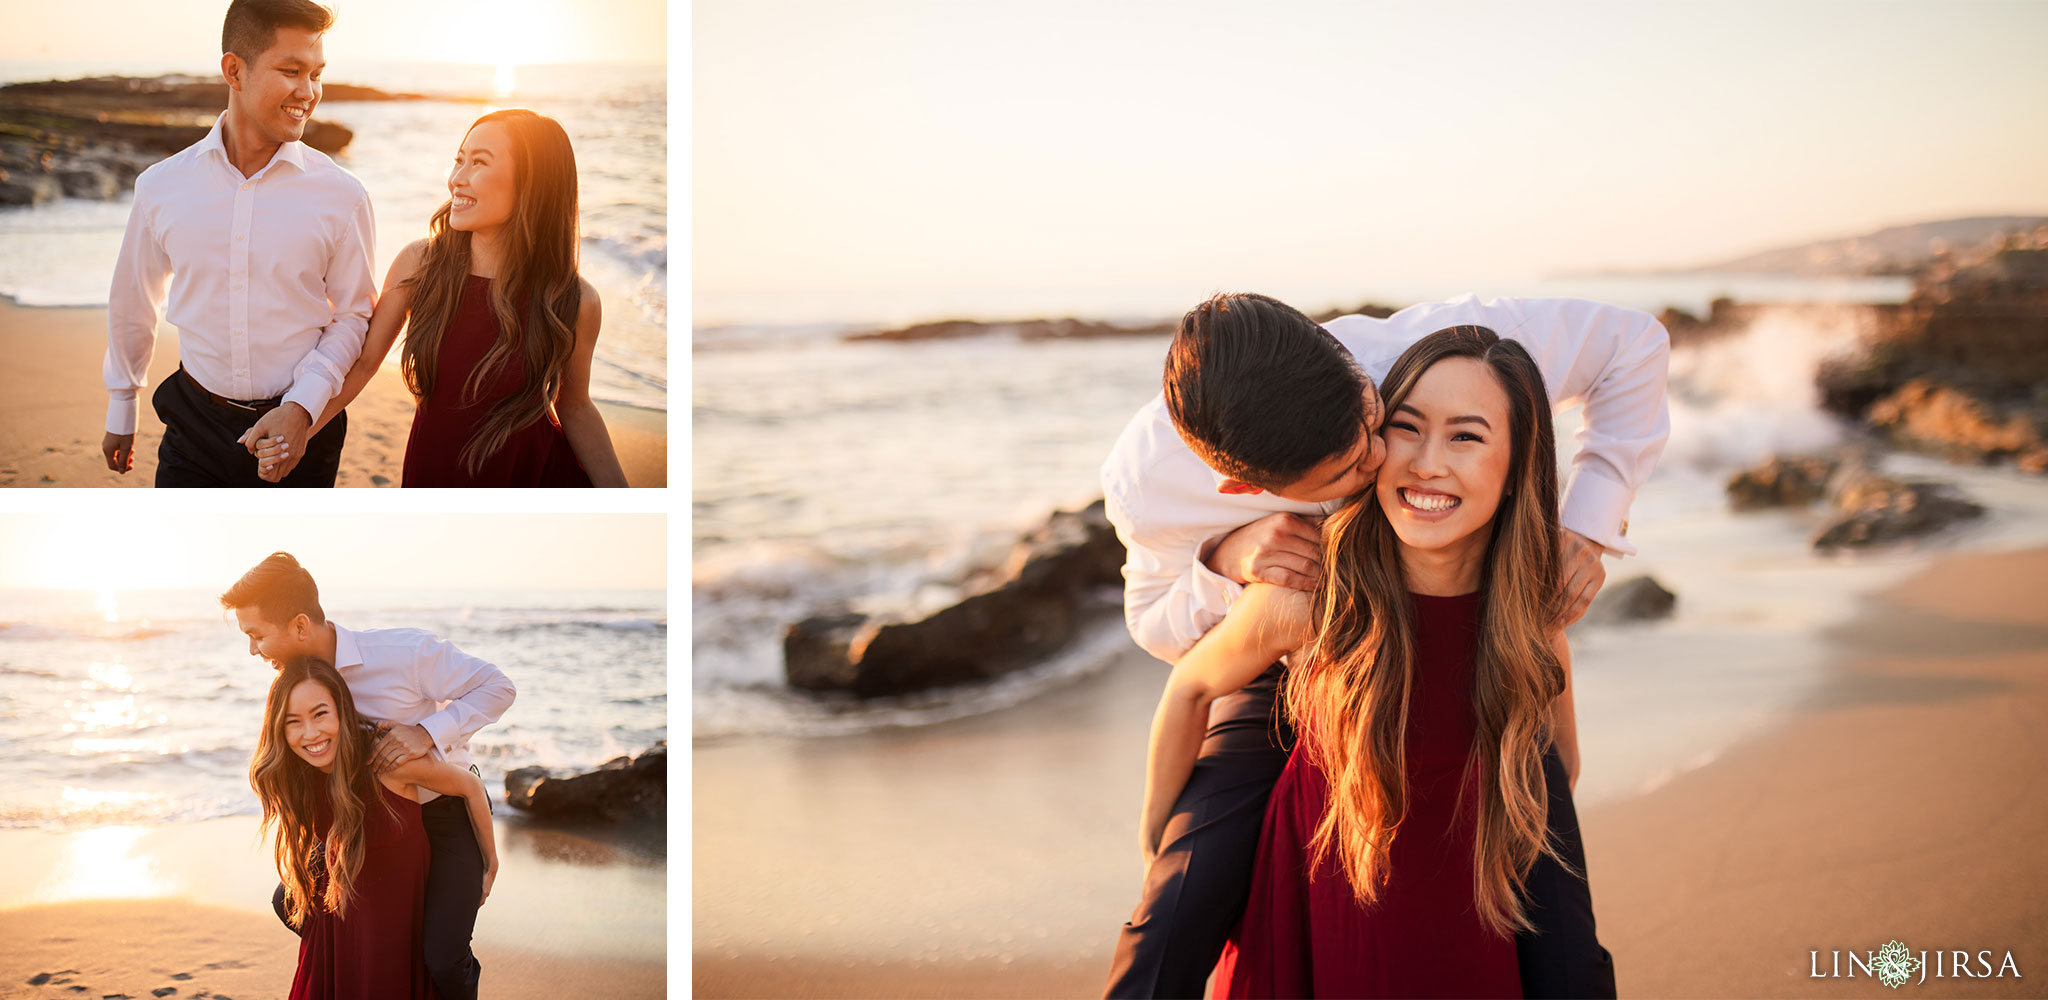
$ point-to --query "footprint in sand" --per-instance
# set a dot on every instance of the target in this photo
(229, 964)
(51, 977)
(163, 991)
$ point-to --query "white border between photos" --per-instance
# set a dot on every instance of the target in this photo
(671, 502)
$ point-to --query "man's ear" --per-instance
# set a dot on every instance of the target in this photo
(302, 627)
(231, 67)
(1237, 487)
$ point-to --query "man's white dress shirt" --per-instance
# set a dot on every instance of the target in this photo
(270, 276)
(1163, 500)
(412, 677)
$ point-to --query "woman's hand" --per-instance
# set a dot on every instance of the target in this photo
(490, 876)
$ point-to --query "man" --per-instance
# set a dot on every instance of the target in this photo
(402, 678)
(266, 245)
(1268, 418)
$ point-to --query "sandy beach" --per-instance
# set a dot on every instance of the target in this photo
(54, 412)
(186, 908)
(994, 856)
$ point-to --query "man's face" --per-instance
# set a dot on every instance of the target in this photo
(1343, 474)
(276, 643)
(278, 92)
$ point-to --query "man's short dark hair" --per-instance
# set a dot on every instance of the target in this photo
(1261, 392)
(251, 25)
(279, 589)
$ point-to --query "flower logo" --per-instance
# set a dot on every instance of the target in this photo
(1895, 964)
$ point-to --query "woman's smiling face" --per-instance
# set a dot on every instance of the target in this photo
(311, 723)
(1447, 457)
(481, 194)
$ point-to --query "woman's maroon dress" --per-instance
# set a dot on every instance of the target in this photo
(1423, 937)
(376, 952)
(535, 455)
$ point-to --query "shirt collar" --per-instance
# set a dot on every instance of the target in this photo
(293, 152)
(347, 653)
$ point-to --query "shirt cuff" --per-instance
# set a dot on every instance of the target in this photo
(312, 395)
(1214, 592)
(121, 412)
(1597, 507)
(442, 729)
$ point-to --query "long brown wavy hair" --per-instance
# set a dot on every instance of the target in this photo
(535, 296)
(291, 790)
(1350, 691)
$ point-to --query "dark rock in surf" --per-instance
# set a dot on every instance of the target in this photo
(623, 790)
(1636, 599)
(1014, 616)
(1781, 482)
(1870, 509)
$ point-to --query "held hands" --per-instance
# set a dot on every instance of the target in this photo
(119, 450)
(1281, 549)
(1582, 572)
(278, 440)
(398, 744)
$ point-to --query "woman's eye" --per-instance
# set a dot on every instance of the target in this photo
(1402, 425)
(1468, 436)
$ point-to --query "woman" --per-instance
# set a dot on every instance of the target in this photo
(351, 850)
(1398, 837)
(500, 327)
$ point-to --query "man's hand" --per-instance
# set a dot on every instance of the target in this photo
(120, 451)
(1281, 549)
(1582, 572)
(288, 421)
(399, 744)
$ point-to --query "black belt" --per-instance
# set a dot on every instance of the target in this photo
(245, 405)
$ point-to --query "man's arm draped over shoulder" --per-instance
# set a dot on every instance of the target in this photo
(477, 692)
(135, 300)
(351, 293)
(1617, 360)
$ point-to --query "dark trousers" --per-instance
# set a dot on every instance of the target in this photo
(1197, 887)
(455, 888)
(199, 446)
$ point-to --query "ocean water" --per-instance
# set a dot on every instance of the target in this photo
(871, 475)
(142, 708)
(63, 253)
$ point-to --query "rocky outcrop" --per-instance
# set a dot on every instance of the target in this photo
(1636, 599)
(1014, 616)
(1977, 327)
(1926, 415)
(622, 790)
(1059, 329)
(90, 138)
(1781, 482)
(1034, 329)
(1871, 509)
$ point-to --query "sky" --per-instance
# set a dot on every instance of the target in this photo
(487, 32)
(896, 147)
(130, 550)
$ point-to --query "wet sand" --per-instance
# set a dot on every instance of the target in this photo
(54, 408)
(996, 856)
(131, 910)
